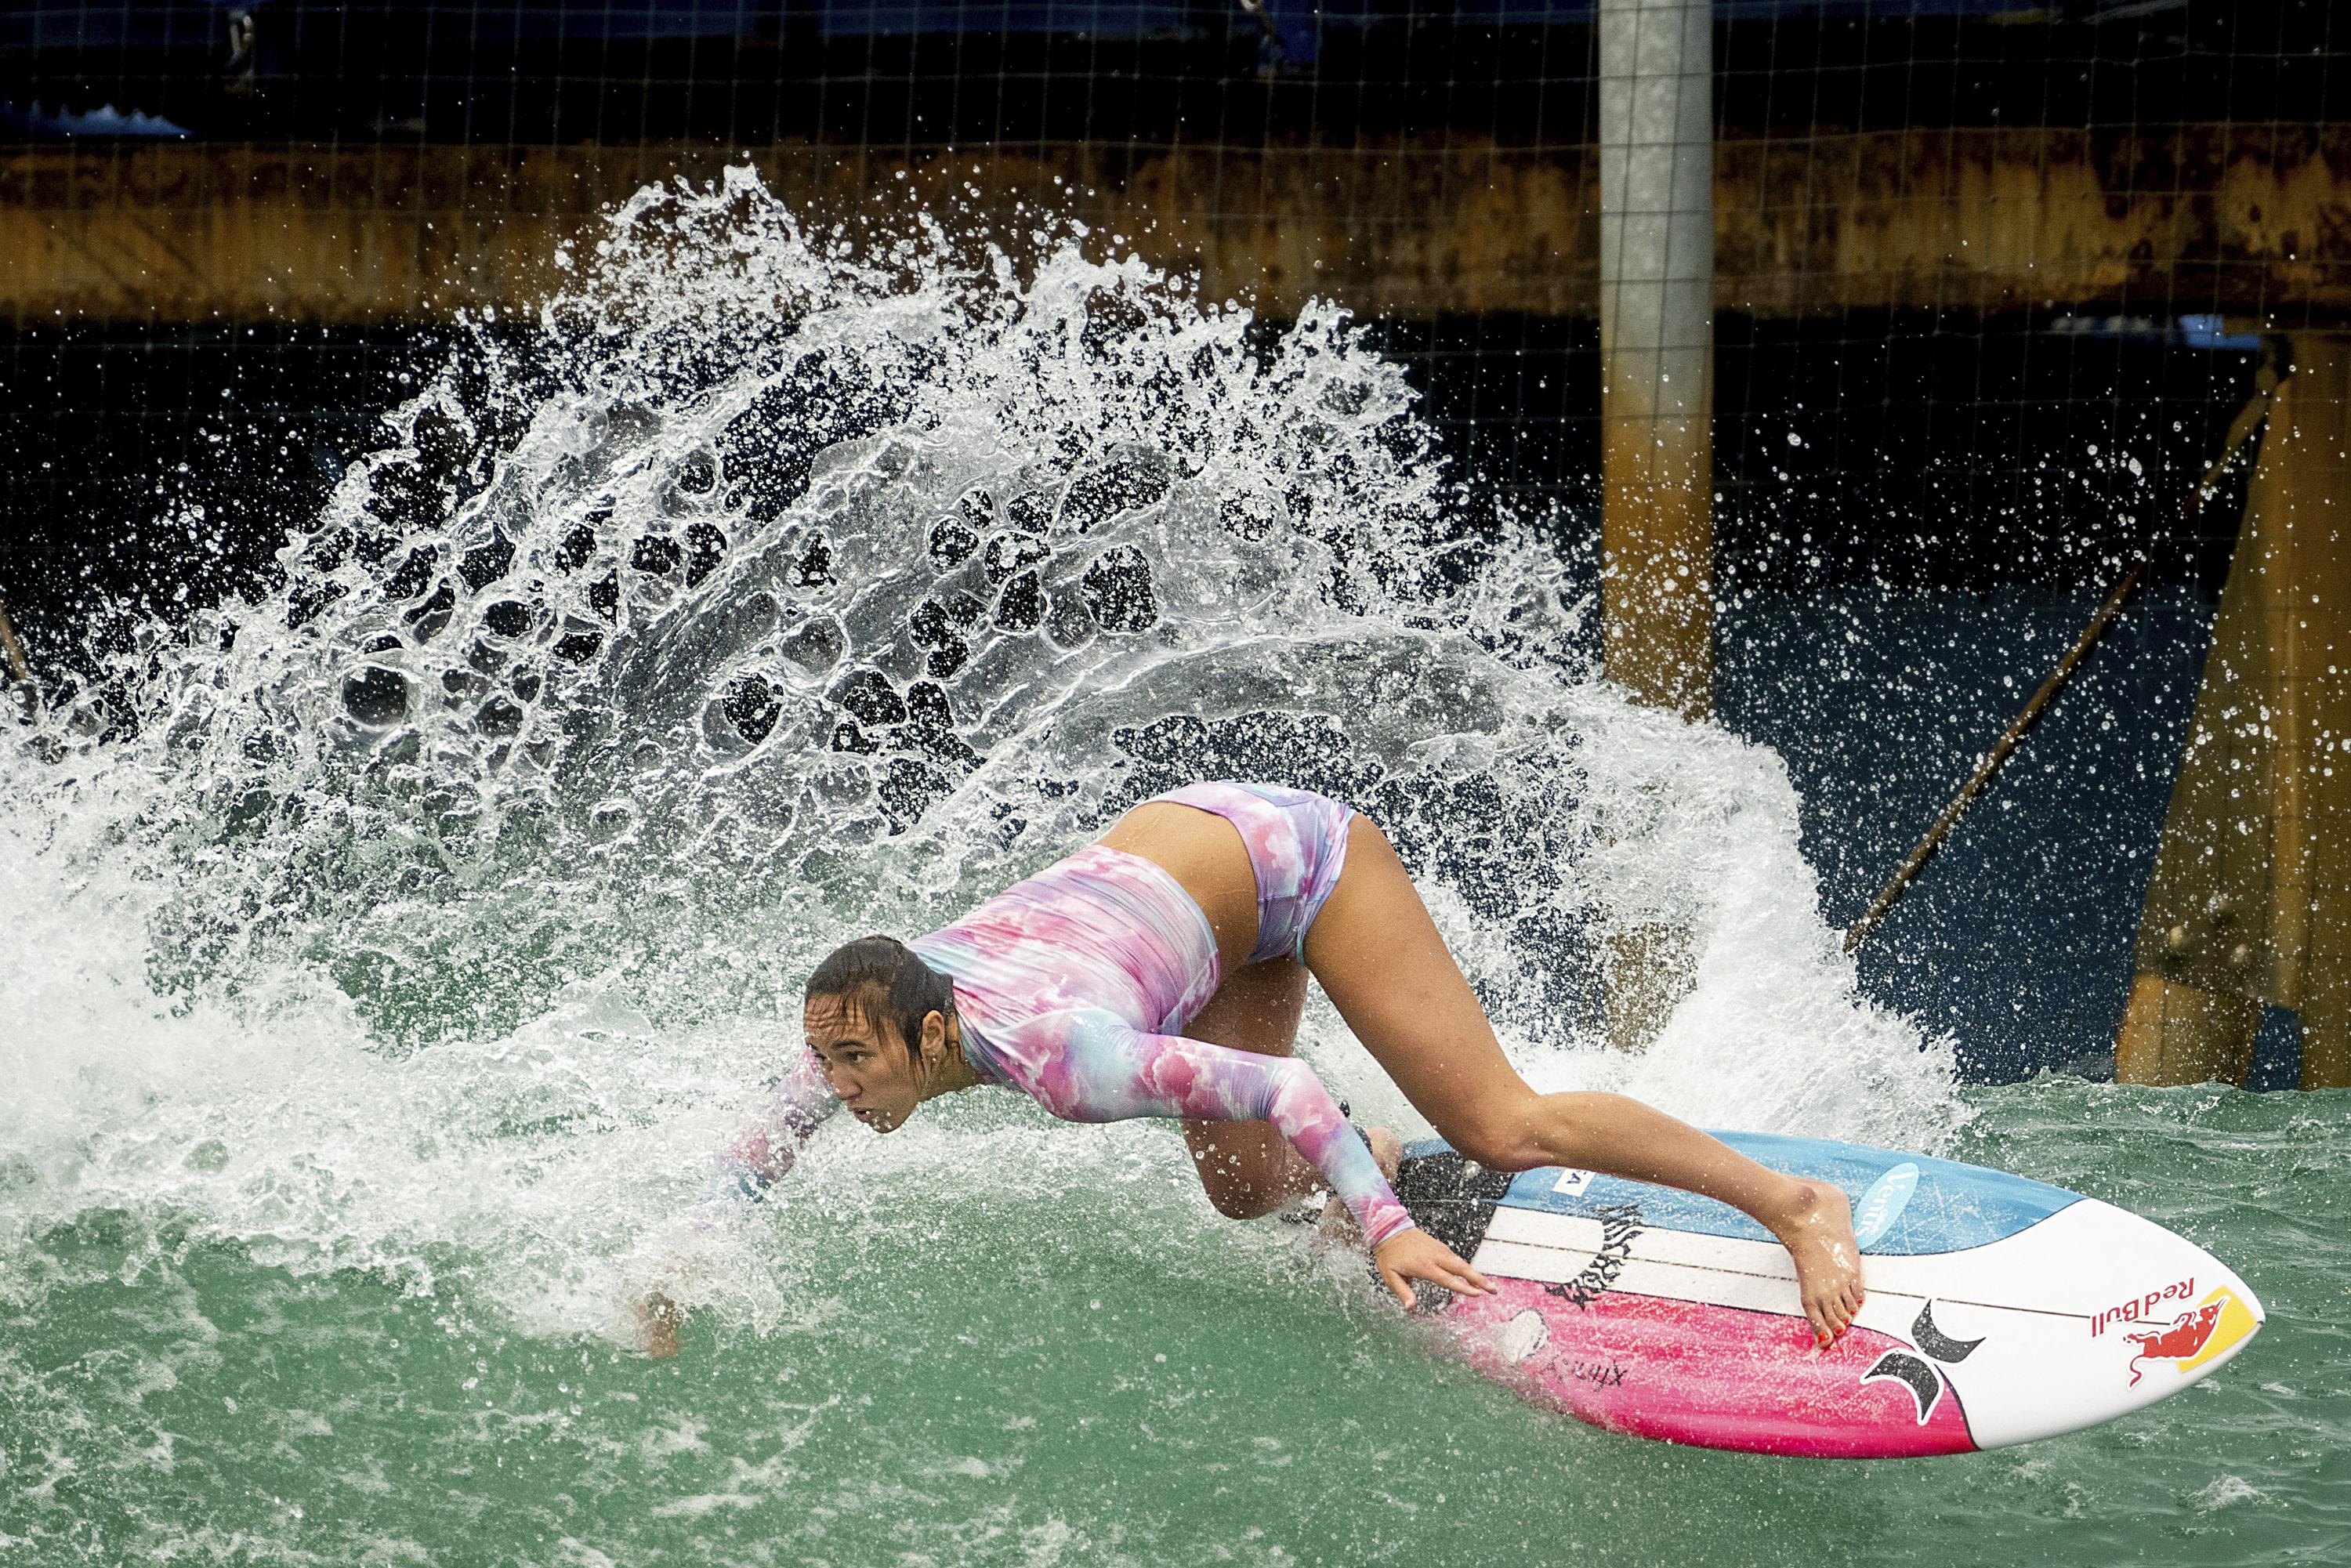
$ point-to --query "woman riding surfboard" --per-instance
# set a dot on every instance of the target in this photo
(1161, 971)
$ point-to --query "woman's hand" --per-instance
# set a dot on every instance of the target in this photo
(1415, 1254)
(658, 1318)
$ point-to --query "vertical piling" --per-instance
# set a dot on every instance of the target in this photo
(1657, 408)
(18, 683)
(1656, 348)
(11, 652)
(2250, 898)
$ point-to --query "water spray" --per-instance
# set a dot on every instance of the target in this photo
(2241, 430)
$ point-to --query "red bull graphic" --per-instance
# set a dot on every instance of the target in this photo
(2180, 1341)
(2143, 1306)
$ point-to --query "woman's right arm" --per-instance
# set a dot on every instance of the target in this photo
(1088, 1065)
(753, 1160)
(758, 1157)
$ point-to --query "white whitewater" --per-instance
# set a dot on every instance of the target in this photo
(440, 907)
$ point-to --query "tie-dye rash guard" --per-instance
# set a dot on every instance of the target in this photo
(1071, 986)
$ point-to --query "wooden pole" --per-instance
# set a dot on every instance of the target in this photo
(2249, 902)
(1656, 414)
(15, 652)
(2241, 430)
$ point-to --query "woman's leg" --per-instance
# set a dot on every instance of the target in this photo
(1249, 1168)
(1378, 952)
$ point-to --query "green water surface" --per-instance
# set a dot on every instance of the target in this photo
(1038, 1372)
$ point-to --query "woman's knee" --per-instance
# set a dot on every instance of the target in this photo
(1241, 1177)
(1241, 1202)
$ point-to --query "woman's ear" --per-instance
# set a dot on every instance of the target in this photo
(933, 1047)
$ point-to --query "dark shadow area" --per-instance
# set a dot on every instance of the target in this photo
(162, 470)
(1159, 71)
(2016, 941)
(2277, 1052)
(167, 466)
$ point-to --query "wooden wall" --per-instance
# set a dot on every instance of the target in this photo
(2252, 222)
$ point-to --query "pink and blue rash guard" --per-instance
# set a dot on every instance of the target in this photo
(1072, 985)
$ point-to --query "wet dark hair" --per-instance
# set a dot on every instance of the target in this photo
(882, 976)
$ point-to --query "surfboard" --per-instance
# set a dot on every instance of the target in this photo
(1999, 1310)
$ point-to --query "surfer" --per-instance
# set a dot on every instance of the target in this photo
(1161, 971)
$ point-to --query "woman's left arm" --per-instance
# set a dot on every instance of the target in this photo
(1093, 1067)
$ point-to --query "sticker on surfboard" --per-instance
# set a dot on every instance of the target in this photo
(2201, 1335)
(1883, 1204)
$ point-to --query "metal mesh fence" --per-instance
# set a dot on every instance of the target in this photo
(1959, 242)
(1989, 279)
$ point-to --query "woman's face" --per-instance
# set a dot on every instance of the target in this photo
(866, 1060)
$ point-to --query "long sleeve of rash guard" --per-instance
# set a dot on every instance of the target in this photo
(757, 1157)
(1088, 1065)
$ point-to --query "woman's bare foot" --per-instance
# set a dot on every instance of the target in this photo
(1816, 1227)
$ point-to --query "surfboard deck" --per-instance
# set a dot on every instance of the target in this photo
(1999, 1310)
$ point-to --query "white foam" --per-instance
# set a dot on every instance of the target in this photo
(411, 932)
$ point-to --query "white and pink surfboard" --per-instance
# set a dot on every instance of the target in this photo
(1999, 1310)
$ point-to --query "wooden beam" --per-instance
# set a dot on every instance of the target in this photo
(2251, 221)
(2250, 901)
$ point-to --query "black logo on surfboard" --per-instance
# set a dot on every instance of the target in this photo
(1924, 1377)
(1619, 1223)
(1936, 1342)
(1608, 1374)
(1926, 1382)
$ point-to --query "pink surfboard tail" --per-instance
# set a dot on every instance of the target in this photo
(1684, 1372)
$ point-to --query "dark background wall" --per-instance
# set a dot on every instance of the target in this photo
(923, 71)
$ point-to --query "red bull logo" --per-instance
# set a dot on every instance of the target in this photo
(2142, 1306)
(2181, 1342)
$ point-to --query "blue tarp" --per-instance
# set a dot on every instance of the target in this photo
(104, 122)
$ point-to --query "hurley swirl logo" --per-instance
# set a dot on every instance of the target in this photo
(1619, 1223)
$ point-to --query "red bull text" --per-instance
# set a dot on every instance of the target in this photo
(2141, 1306)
